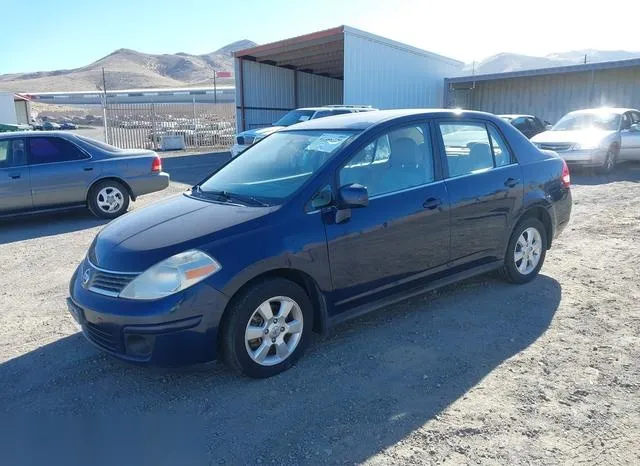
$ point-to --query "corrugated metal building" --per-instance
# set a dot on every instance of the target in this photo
(549, 93)
(342, 65)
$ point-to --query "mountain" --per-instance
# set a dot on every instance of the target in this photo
(505, 62)
(127, 69)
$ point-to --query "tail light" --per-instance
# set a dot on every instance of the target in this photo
(156, 165)
(566, 176)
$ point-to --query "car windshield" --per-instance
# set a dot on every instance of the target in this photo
(275, 168)
(577, 121)
(294, 116)
(99, 144)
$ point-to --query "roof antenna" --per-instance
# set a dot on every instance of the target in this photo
(585, 58)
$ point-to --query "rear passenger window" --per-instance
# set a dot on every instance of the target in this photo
(4, 154)
(50, 150)
(501, 152)
(467, 147)
(397, 160)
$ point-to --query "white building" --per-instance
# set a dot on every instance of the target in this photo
(14, 109)
(342, 65)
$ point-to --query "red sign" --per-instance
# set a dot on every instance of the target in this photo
(223, 74)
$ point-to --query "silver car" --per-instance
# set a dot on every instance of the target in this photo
(53, 170)
(599, 137)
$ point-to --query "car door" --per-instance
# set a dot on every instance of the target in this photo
(60, 171)
(630, 136)
(484, 182)
(15, 188)
(403, 233)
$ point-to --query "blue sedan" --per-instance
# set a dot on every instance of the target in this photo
(53, 170)
(314, 225)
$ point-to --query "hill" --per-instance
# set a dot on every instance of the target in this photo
(126, 69)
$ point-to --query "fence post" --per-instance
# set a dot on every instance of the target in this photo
(195, 123)
(154, 133)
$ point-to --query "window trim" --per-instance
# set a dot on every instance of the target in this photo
(88, 156)
(427, 127)
(475, 121)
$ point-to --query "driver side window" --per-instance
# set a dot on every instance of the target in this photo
(626, 121)
(397, 160)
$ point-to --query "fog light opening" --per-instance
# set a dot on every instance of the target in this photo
(138, 345)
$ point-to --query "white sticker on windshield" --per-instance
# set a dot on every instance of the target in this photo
(303, 118)
(328, 142)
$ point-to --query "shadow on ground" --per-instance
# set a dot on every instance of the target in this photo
(41, 225)
(590, 177)
(364, 387)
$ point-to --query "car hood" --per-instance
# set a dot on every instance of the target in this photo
(261, 131)
(579, 136)
(142, 238)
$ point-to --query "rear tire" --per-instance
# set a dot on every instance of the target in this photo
(526, 252)
(267, 328)
(108, 199)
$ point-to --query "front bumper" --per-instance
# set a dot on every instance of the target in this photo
(238, 149)
(584, 157)
(177, 330)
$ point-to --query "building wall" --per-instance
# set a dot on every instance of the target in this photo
(551, 96)
(269, 92)
(22, 112)
(386, 74)
(7, 109)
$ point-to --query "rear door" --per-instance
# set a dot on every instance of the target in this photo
(60, 171)
(403, 233)
(15, 188)
(484, 182)
(630, 136)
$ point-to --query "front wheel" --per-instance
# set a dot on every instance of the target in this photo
(526, 251)
(267, 328)
(610, 160)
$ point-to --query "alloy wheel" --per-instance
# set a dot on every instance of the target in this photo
(527, 251)
(110, 199)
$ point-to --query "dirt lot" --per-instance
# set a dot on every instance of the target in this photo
(481, 372)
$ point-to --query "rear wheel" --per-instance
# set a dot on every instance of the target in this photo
(526, 251)
(108, 199)
(267, 328)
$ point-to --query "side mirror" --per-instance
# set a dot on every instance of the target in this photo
(354, 195)
(635, 127)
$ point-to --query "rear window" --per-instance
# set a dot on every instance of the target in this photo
(99, 144)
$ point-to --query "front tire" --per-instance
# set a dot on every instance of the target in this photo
(610, 161)
(526, 252)
(267, 328)
(108, 199)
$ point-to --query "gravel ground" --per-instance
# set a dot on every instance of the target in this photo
(480, 372)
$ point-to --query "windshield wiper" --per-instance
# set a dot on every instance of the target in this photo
(228, 196)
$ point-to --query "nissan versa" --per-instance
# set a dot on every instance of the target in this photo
(315, 224)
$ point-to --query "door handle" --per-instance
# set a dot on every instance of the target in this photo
(511, 182)
(88, 169)
(15, 177)
(431, 203)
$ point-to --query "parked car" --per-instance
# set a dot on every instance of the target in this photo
(248, 138)
(57, 170)
(68, 125)
(50, 126)
(528, 125)
(599, 137)
(316, 224)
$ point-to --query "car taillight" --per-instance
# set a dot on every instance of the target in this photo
(156, 165)
(566, 176)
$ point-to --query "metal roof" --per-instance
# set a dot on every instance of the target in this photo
(321, 52)
(607, 65)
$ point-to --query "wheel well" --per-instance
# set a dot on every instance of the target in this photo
(301, 279)
(113, 178)
(541, 214)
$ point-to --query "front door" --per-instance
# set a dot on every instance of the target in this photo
(630, 136)
(485, 188)
(60, 171)
(15, 188)
(403, 233)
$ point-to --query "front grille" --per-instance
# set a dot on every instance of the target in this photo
(555, 146)
(103, 337)
(106, 282)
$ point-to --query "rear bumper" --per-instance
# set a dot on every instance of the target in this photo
(181, 329)
(148, 183)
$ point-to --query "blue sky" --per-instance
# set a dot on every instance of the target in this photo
(47, 35)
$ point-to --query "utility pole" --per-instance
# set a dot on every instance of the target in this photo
(215, 91)
(104, 107)
(585, 58)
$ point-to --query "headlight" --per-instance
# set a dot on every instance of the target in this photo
(171, 276)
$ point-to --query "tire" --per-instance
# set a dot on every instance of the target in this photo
(610, 161)
(242, 353)
(513, 270)
(108, 199)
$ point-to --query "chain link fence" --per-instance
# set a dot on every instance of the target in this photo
(158, 126)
